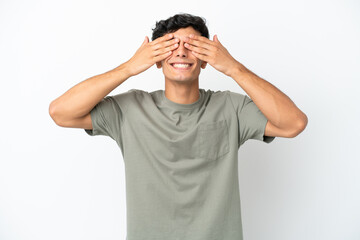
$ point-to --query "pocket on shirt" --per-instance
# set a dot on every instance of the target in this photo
(213, 139)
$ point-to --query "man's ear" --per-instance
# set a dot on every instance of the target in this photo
(158, 64)
(203, 64)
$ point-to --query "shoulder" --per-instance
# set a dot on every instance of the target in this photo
(124, 100)
(229, 94)
(238, 100)
(242, 102)
(235, 95)
(128, 96)
(215, 93)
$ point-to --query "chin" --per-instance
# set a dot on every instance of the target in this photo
(182, 77)
(182, 80)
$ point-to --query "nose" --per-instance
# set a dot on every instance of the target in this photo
(181, 51)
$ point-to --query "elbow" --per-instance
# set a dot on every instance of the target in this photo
(299, 126)
(53, 113)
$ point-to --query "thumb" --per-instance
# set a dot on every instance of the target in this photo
(146, 40)
(216, 38)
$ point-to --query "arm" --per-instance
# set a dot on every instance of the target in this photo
(72, 109)
(284, 118)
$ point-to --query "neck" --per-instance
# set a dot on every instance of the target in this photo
(182, 93)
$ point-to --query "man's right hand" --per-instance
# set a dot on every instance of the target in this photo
(72, 109)
(151, 52)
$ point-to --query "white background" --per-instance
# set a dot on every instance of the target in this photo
(59, 183)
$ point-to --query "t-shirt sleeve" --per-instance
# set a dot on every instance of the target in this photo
(251, 120)
(106, 118)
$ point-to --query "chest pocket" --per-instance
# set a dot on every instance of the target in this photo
(213, 139)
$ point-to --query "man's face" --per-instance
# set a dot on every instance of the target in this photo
(182, 65)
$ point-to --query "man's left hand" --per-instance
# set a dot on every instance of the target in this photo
(212, 52)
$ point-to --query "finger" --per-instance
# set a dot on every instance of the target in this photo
(201, 39)
(166, 37)
(165, 44)
(162, 56)
(166, 49)
(200, 50)
(146, 40)
(198, 43)
(200, 56)
(216, 38)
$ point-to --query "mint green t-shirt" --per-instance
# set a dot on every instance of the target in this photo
(181, 160)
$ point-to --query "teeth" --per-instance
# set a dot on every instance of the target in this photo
(181, 65)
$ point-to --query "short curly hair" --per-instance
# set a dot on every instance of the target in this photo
(178, 21)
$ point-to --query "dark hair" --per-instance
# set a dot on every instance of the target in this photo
(178, 21)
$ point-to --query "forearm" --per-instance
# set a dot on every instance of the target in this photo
(81, 98)
(278, 108)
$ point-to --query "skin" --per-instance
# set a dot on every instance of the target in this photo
(182, 86)
(72, 109)
(285, 119)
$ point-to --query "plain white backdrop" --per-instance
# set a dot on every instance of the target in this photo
(59, 183)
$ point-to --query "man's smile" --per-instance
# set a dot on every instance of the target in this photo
(181, 65)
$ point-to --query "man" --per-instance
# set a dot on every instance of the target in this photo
(180, 146)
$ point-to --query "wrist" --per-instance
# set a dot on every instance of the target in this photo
(124, 70)
(238, 70)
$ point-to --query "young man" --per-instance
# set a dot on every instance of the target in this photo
(180, 146)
